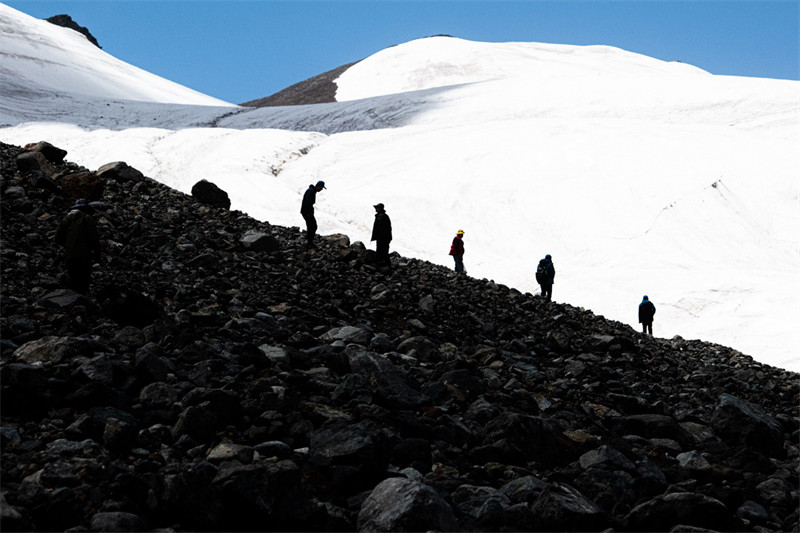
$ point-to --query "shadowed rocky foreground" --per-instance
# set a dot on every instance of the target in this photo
(221, 377)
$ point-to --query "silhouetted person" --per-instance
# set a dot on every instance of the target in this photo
(307, 210)
(545, 276)
(457, 250)
(77, 233)
(646, 313)
(382, 235)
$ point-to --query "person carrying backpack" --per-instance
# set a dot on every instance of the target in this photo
(457, 250)
(545, 276)
(646, 312)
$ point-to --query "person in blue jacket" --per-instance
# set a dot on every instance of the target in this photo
(307, 210)
(545, 276)
(646, 312)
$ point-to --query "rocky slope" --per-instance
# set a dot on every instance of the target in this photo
(320, 89)
(219, 376)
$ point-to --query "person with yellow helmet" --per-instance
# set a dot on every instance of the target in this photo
(457, 250)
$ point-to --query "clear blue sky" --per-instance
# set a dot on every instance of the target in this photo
(240, 50)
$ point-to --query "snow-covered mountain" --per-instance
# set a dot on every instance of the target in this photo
(639, 176)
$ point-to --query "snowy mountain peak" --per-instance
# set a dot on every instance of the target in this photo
(442, 61)
(41, 58)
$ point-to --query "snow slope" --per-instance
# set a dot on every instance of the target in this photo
(40, 60)
(419, 65)
(637, 175)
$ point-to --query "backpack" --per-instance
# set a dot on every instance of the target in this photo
(541, 272)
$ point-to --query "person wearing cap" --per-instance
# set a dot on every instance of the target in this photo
(77, 233)
(382, 235)
(646, 313)
(545, 276)
(457, 250)
(307, 210)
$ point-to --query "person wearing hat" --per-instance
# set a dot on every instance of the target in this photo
(646, 313)
(307, 210)
(77, 233)
(545, 276)
(382, 235)
(457, 250)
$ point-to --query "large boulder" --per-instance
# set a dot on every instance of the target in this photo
(208, 193)
(399, 504)
(563, 508)
(120, 171)
(747, 424)
(51, 153)
(117, 521)
(681, 509)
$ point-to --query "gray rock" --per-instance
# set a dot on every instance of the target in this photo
(398, 504)
(524, 490)
(348, 334)
(119, 434)
(753, 512)
(198, 422)
(273, 448)
(680, 508)
(30, 161)
(99, 369)
(227, 451)
(151, 363)
(129, 337)
(342, 443)
(117, 521)
(776, 491)
(421, 347)
(158, 395)
(62, 299)
(469, 499)
(49, 350)
(52, 153)
(258, 241)
(606, 455)
(276, 354)
(561, 504)
(120, 171)
(693, 461)
(745, 423)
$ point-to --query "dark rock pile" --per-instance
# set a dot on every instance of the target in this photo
(219, 376)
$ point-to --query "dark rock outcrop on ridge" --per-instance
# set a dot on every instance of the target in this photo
(319, 89)
(209, 383)
(67, 22)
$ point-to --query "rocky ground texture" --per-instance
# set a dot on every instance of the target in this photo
(220, 376)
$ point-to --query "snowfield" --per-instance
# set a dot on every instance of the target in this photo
(639, 176)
